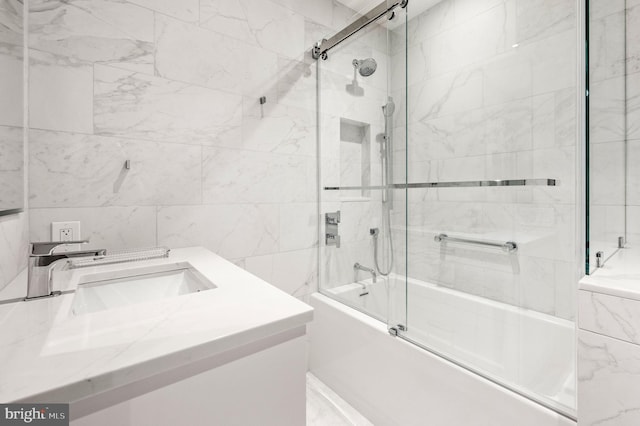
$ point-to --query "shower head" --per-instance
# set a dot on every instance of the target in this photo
(365, 67)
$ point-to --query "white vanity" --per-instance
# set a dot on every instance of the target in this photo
(189, 339)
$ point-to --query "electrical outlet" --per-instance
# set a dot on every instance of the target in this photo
(66, 231)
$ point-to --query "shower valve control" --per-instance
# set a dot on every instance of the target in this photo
(331, 221)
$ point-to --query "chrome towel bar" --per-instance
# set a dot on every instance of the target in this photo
(508, 246)
(460, 184)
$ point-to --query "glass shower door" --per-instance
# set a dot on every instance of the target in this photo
(491, 248)
(359, 110)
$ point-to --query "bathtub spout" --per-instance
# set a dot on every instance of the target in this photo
(358, 267)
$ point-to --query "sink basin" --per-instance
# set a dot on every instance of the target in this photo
(114, 289)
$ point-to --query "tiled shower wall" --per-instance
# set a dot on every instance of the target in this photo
(492, 89)
(174, 87)
(614, 124)
(13, 228)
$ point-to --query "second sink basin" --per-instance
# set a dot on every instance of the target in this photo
(113, 289)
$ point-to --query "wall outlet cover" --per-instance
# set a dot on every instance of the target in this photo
(66, 231)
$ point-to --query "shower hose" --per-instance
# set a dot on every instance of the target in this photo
(375, 233)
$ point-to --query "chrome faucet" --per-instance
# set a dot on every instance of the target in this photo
(43, 260)
(358, 267)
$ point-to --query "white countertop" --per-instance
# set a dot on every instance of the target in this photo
(620, 276)
(49, 355)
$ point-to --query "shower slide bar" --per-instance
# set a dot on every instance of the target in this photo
(461, 184)
(508, 246)
(322, 47)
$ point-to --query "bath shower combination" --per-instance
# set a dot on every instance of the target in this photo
(457, 276)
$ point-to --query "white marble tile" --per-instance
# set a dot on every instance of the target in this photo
(278, 128)
(318, 10)
(187, 10)
(607, 110)
(11, 25)
(232, 176)
(555, 163)
(451, 93)
(607, 46)
(230, 230)
(545, 230)
(606, 224)
(633, 173)
(296, 82)
(566, 280)
(60, 96)
(633, 224)
(633, 106)
(566, 116)
(470, 9)
(145, 107)
(601, 8)
(357, 218)
(94, 31)
(508, 77)
(507, 127)
(468, 44)
(195, 55)
(260, 22)
(106, 227)
(553, 62)
(610, 315)
(607, 173)
(541, 18)
(538, 284)
(434, 20)
(12, 168)
(446, 137)
(633, 38)
(294, 272)
(298, 226)
(75, 170)
(11, 90)
(608, 381)
(14, 246)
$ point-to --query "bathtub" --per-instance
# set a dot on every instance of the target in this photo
(395, 382)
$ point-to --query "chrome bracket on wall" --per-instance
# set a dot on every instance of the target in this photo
(331, 235)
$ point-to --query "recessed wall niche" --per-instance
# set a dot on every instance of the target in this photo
(355, 156)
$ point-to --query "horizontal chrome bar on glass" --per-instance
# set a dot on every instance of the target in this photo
(322, 47)
(461, 184)
(508, 246)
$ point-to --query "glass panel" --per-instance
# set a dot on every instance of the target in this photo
(492, 95)
(360, 146)
(11, 108)
(609, 144)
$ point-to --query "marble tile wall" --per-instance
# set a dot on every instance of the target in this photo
(351, 126)
(633, 119)
(13, 228)
(608, 358)
(173, 86)
(492, 88)
(607, 126)
(615, 84)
